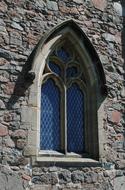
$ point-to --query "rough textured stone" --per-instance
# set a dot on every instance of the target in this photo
(119, 183)
(10, 180)
(100, 4)
(79, 2)
(64, 177)
(52, 5)
(22, 24)
(9, 142)
(2, 105)
(26, 177)
(121, 164)
(20, 143)
(118, 8)
(3, 130)
(16, 26)
(9, 88)
(19, 134)
(108, 37)
(77, 176)
(90, 177)
(15, 39)
(116, 117)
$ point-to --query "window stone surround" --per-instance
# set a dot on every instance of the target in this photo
(93, 142)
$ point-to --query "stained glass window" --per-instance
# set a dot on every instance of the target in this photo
(52, 106)
(63, 54)
(50, 116)
(71, 72)
(54, 68)
(75, 120)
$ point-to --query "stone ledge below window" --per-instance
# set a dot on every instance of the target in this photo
(65, 161)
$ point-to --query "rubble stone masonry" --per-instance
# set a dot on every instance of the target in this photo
(22, 24)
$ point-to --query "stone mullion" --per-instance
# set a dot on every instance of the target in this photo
(65, 108)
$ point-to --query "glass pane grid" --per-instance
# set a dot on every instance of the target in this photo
(50, 137)
(50, 116)
(55, 68)
(75, 108)
(63, 54)
(71, 72)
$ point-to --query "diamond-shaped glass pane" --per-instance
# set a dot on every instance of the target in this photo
(71, 72)
(75, 119)
(55, 68)
(50, 116)
(63, 54)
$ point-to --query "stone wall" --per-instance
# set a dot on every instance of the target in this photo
(22, 23)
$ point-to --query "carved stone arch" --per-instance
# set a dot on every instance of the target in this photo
(94, 77)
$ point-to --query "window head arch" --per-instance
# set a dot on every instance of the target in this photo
(62, 120)
(67, 55)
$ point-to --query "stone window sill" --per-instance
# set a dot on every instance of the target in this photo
(69, 160)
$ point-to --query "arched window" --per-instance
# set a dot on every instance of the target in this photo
(62, 126)
(66, 96)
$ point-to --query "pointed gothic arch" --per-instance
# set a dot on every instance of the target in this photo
(91, 80)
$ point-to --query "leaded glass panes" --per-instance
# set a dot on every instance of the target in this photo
(75, 119)
(71, 72)
(55, 133)
(54, 68)
(50, 116)
(63, 54)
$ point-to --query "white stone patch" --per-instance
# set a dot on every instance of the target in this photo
(119, 183)
(118, 8)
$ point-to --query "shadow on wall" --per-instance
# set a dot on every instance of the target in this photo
(24, 81)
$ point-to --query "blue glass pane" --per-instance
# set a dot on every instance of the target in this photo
(71, 72)
(63, 54)
(55, 68)
(50, 116)
(75, 119)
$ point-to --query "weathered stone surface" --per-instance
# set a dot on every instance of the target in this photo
(3, 130)
(3, 29)
(3, 62)
(3, 7)
(10, 180)
(26, 177)
(108, 37)
(116, 116)
(9, 88)
(79, 2)
(40, 3)
(20, 143)
(52, 5)
(4, 76)
(121, 164)
(90, 177)
(22, 23)
(2, 105)
(65, 177)
(100, 4)
(5, 54)
(119, 183)
(19, 134)
(16, 26)
(118, 8)
(8, 142)
(15, 39)
(123, 92)
(77, 176)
